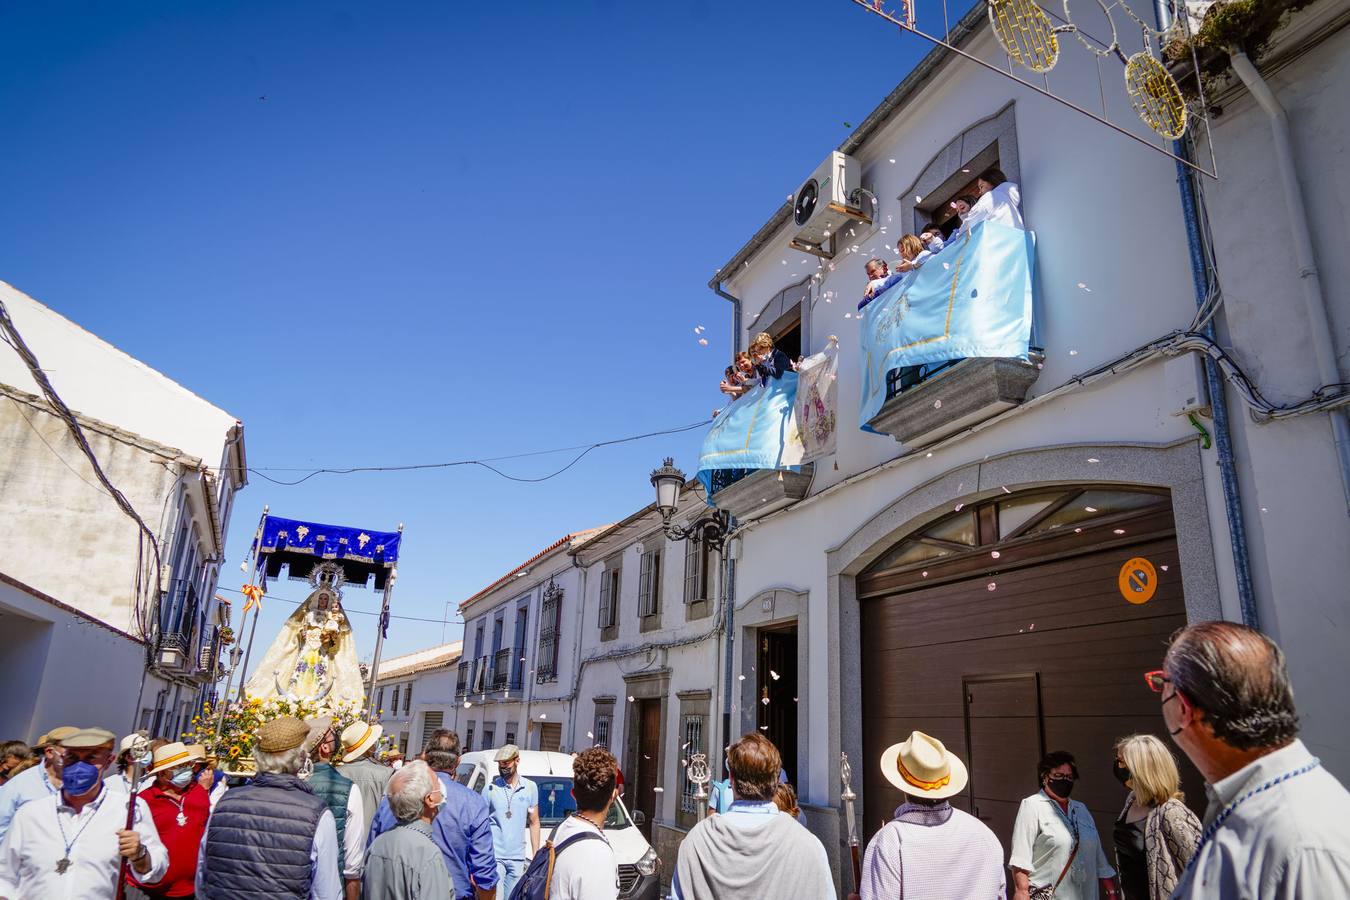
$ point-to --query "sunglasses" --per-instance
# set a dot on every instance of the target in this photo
(1156, 680)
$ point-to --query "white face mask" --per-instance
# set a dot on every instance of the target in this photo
(182, 778)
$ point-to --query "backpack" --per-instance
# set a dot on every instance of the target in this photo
(535, 882)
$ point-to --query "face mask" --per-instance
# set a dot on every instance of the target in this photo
(1062, 787)
(181, 779)
(440, 802)
(508, 774)
(1121, 771)
(306, 770)
(80, 777)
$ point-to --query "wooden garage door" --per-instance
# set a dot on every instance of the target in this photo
(1003, 657)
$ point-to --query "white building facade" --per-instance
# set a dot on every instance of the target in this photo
(177, 459)
(970, 570)
(415, 695)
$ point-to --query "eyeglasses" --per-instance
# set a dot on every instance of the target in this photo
(1156, 680)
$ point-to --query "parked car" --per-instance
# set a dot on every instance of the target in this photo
(639, 866)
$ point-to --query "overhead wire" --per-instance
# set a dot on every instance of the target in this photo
(348, 609)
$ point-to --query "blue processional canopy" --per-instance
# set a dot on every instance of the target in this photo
(301, 545)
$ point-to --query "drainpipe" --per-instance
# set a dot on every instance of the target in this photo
(1310, 283)
(729, 634)
(735, 317)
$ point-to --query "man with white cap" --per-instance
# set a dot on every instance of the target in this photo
(180, 807)
(70, 845)
(931, 849)
(37, 782)
(513, 803)
(121, 782)
(359, 741)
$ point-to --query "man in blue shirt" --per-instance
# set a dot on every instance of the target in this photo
(36, 782)
(462, 829)
(513, 802)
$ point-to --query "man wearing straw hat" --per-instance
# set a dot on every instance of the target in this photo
(930, 849)
(37, 782)
(359, 741)
(274, 837)
(180, 807)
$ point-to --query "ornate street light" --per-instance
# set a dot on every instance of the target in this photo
(710, 528)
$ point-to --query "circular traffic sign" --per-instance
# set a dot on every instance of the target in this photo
(1138, 580)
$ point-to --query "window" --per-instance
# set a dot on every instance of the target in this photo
(394, 708)
(489, 733)
(693, 743)
(695, 571)
(379, 702)
(783, 318)
(468, 738)
(602, 725)
(407, 698)
(550, 626)
(649, 584)
(518, 656)
(403, 742)
(609, 597)
(431, 722)
(510, 735)
(478, 640)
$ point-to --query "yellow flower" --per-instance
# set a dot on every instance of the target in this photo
(234, 751)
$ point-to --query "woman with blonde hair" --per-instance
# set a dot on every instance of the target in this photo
(1156, 833)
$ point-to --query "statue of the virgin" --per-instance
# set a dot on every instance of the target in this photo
(314, 656)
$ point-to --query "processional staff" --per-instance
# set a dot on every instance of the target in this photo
(847, 795)
(140, 758)
(699, 775)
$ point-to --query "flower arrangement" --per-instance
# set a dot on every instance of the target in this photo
(226, 636)
(234, 746)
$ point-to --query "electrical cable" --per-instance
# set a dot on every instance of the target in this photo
(484, 463)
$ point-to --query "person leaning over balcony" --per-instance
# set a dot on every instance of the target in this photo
(912, 255)
(962, 206)
(1278, 824)
(752, 851)
(877, 273)
(932, 238)
(999, 200)
(770, 362)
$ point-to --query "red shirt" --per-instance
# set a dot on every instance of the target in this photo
(182, 841)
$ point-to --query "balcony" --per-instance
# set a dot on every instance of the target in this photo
(758, 492)
(940, 400)
(501, 669)
(948, 346)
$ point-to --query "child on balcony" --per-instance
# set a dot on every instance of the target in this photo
(1000, 200)
(770, 362)
(932, 239)
(740, 376)
(962, 206)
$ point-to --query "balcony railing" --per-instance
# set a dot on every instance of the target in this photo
(501, 668)
(462, 679)
(724, 478)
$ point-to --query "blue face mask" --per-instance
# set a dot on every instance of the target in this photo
(80, 777)
(181, 779)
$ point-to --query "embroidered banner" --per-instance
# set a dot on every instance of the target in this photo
(758, 430)
(973, 298)
(817, 399)
(299, 544)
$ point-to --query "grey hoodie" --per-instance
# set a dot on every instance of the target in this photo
(723, 859)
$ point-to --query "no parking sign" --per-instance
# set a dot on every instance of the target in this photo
(1138, 580)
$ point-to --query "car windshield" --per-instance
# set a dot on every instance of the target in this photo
(556, 802)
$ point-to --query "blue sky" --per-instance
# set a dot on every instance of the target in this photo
(412, 232)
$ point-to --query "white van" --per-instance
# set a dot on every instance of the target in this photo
(639, 866)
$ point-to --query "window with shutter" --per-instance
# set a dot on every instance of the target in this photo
(649, 584)
(550, 624)
(431, 722)
(407, 698)
(609, 597)
(693, 571)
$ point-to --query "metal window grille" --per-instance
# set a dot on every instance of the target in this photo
(462, 679)
(433, 720)
(468, 738)
(649, 584)
(510, 737)
(602, 721)
(693, 740)
(501, 668)
(394, 708)
(609, 597)
(407, 698)
(550, 624)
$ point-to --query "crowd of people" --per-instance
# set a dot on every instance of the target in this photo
(322, 818)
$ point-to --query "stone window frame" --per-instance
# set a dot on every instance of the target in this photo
(611, 593)
(789, 306)
(695, 704)
(604, 709)
(651, 570)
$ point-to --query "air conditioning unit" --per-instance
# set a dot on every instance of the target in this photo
(825, 203)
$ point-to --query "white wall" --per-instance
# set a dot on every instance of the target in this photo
(1294, 505)
(60, 668)
(98, 380)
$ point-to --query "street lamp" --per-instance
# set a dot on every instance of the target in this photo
(710, 528)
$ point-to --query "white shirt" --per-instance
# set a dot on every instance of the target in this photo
(587, 869)
(324, 881)
(35, 843)
(119, 783)
(1000, 204)
(354, 837)
(1042, 840)
(217, 792)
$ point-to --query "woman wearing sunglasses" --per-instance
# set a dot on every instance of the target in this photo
(1156, 834)
(1056, 852)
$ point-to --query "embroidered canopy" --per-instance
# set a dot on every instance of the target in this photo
(299, 545)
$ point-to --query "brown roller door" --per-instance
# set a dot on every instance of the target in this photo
(1052, 657)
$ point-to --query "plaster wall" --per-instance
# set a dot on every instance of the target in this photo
(1293, 498)
(46, 655)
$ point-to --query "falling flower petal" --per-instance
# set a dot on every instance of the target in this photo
(925, 573)
(937, 404)
(703, 342)
(740, 677)
(1089, 509)
(1032, 627)
(659, 790)
(765, 701)
(1164, 568)
(630, 698)
(994, 554)
(892, 162)
(991, 586)
(774, 675)
(1118, 531)
(1093, 459)
(1073, 352)
(589, 735)
(1005, 487)
(958, 506)
(929, 455)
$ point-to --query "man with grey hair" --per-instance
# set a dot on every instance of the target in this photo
(1278, 824)
(273, 837)
(405, 863)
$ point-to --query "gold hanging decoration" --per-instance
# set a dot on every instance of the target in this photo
(1155, 95)
(1025, 32)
